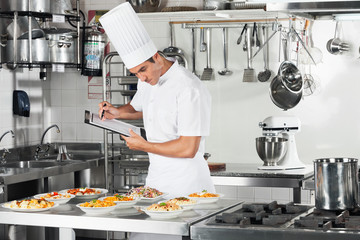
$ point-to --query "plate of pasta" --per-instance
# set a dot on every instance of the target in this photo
(184, 202)
(121, 200)
(55, 197)
(164, 210)
(85, 193)
(97, 206)
(30, 205)
(205, 197)
(146, 193)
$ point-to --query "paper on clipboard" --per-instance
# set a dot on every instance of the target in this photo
(114, 125)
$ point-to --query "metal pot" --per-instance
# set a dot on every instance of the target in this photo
(282, 96)
(336, 183)
(62, 45)
(25, 5)
(218, 5)
(61, 7)
(22, 29)
(39, 50)
(141, 6)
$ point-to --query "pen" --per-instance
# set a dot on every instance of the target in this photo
(103, 112)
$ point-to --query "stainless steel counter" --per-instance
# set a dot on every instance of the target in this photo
(248, 175)
(126, 220)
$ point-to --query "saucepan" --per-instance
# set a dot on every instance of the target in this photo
(336, 183)
(286, 87)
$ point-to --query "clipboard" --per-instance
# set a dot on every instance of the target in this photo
(114, 125)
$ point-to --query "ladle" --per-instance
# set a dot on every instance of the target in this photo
(225, 71)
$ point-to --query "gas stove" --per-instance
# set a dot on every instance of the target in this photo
(258, 214)
(268, 221)
(330, 220)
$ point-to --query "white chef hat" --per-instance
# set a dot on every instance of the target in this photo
(128, 35)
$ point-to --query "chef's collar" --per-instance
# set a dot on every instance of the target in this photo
(169, 72)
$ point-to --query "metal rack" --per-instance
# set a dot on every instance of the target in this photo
(124, 168)
(44, 16)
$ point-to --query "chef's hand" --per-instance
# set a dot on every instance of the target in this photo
(107, 110)
(134, 142)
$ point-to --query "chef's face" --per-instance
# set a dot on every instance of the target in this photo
(148, 71)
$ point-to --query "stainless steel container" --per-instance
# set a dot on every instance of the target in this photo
(271, 149)
(62, 45)
(61, 7)
(336, 183)
(141, 6)
(39, 49)
(25, 5)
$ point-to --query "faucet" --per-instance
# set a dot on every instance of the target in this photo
(3, 157)
(39, 148)
(10, 131)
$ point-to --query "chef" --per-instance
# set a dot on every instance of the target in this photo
(174, 104)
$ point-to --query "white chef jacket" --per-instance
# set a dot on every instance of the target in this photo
(178, 105)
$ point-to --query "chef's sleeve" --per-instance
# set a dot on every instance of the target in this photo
(136, 101)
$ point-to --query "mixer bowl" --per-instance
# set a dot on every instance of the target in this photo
(141, 6)
(271, 149)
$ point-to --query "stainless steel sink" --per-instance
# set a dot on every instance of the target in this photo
(36, 164)
(75, 157)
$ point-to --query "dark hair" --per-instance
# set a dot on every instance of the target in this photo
(151, 58)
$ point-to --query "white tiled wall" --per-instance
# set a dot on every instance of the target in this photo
(262, 194)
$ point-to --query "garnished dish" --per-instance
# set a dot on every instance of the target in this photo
(163, 210)
(163, 207)
(121, 200)
(183, 202)
(30, 205)
(205, 196)
(85, 193)
(97, 206)
(55, 197)
(118, 198)
(146, 193)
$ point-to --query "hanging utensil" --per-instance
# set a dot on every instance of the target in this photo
(253, 35)
(173, 51)
(266, 74)
(335, 45)
(193, 51)
(241, 34)
(208, 71)
(249, 72)
(314, 51)
(264, 44)
(257, 40)
(203, 45)
(225, 71)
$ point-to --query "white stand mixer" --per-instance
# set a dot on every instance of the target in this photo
(285, 126)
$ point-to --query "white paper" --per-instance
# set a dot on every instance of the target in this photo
(58, 18)
(114, 125)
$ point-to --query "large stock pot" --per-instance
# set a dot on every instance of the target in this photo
(336, 183)
(25, 5)
(39, 50)
(62, 45)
